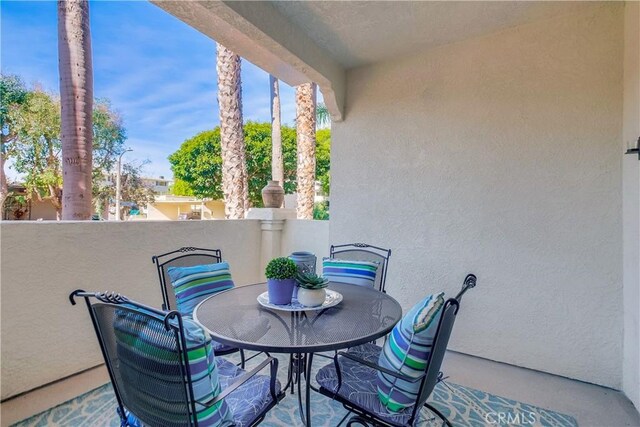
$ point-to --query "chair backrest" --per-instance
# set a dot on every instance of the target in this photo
(184, 257)
(156, 390)
(365, 252)
(440, 343)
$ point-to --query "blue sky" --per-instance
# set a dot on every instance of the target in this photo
(158, 72)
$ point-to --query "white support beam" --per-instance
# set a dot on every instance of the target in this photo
(256, 31)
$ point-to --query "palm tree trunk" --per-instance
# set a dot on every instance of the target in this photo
(76, 102)
(234, 165)
(306, 140)
(277, 165)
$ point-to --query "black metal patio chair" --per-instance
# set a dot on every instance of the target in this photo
(188, 256)
(365, 252)
(352, 377)
(156, 378)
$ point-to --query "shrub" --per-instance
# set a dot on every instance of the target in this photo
(281, 268)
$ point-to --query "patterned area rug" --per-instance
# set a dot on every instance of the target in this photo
(462, 405)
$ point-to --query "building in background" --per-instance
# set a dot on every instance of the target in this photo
(19, 207)
(168, 207)
(159, 185)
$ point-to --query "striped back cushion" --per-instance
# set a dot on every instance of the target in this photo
(406, 351)
(193, 284)
(149, 366)
(362, 273)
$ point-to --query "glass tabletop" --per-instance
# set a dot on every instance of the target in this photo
(235, 318)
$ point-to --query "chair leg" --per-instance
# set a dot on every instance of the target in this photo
(357, 419)
(343, 418)
(439, 414)
(242, 359)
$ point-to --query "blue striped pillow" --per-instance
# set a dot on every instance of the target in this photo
(193, 284)
(406, 351)
(362, 273)
(147, 356)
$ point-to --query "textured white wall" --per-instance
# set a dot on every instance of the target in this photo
(305, 235)
(43, 337)
(631, 204)
(499, 155)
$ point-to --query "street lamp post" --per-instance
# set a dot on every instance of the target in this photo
(118, 179)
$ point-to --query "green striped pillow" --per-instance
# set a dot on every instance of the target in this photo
(193, 284)
(406, 351)
(148, 359)
(362, 273)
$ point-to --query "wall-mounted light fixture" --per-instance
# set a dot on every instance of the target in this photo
(634, 150)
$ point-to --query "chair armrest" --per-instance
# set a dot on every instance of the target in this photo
(245, 377)
(380, 368)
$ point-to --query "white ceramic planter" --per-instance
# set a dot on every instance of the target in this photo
(311, 297)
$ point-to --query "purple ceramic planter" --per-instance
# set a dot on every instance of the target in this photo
(280, 291)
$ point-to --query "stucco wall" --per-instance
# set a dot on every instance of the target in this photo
(631, 204)
(310, 236)
(43, 337)
(500, 156)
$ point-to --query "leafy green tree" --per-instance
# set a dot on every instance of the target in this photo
(180, 188)
(321, 210)
(13, 94)
(36, 148)
(198, 163)
(134, 189)
(109, 136)
(323, 158)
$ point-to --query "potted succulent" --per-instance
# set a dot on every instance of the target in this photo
(281, 273)
(311, 292)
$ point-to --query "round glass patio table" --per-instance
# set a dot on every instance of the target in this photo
(235, 318)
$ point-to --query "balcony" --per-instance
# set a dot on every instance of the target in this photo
(50, 355)
(481, 137)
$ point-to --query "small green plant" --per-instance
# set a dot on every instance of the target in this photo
(321, 210)
(281, 268)
(311, 281)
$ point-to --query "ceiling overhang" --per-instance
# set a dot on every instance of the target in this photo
(258, 32)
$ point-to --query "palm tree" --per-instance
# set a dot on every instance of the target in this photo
(277, 165)
(322, 115)
(306, 140)
(76, 103)
(234, 165)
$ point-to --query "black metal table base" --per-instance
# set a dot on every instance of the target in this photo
(299, 368)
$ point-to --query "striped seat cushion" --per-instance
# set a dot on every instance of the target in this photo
(148, 364)
(193, 284)
(406, 351)
(362, 273)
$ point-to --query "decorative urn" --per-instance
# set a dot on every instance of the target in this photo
(273, 195)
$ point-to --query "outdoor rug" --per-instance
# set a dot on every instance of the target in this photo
(462, 405)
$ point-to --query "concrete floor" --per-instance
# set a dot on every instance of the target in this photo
(589, 404)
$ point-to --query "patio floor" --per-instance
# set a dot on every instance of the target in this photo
(568, 402)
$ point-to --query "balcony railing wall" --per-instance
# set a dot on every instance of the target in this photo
(45, 339)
